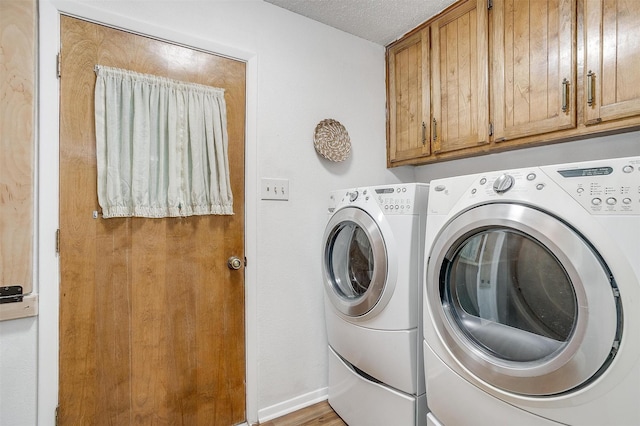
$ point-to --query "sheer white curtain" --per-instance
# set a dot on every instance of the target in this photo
(161, 146)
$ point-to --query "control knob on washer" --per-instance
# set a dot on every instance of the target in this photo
(503, 183)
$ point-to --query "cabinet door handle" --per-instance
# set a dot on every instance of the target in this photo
(435, 129)
(591, 77)
(565, 95)
(424, 133)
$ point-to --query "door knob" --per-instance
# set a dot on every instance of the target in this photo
(234, 262)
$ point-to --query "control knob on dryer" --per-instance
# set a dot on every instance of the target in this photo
(503, 183)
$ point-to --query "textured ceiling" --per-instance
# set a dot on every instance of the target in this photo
(379, 21)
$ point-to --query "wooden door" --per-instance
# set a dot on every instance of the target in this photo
(151, 318)
(460, 78)
(408, 97)
(612, 81)
(532, 67)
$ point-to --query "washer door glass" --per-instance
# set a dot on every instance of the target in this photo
(355, 263)
(522, 301)
(510, 295)
(352, 261)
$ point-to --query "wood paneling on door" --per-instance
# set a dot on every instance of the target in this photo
(409, 98)
(17, 106)
(533, 67)
(460, 78)
(151, 318)
(612, 59)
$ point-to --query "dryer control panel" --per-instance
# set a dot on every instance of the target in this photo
(601, 187)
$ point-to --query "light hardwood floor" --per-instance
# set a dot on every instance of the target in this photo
(317, 414)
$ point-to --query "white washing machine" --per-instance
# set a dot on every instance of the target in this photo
(372, 257)
(532, 296)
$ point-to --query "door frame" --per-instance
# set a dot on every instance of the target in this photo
(47, 178)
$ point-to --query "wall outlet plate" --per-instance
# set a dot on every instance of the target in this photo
(274, 189)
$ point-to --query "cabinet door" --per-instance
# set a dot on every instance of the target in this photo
(460, 78)
(612, 65)
(408, 98)
(532, 67)
(18, 27)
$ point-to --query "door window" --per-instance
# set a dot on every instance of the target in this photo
(355, 263)
(351, 261)
(509, 295)
(521, 300)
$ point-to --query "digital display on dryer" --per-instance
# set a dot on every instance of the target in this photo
(384, 190)
(592, 171)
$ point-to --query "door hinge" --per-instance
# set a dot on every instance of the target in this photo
(490, 129)
(10, 294)
(490, 4)
(56, 415)
(58, 73)
(57, 241)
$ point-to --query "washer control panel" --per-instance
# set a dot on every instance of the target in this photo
(395, 199)
(391, 199)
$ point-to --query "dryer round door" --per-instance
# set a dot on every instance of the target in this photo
(355, 263)
(522, 301)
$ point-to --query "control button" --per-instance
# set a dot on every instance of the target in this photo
(439, 188)
(540, 186)
(404, 189)
(627, 169)
(364, 192)
(531, 176)
(626, 201)
(596, 201)
(580, 190)
(611, 201)
(483, 181)
(473, 191)
(353, 196)
(503, 184)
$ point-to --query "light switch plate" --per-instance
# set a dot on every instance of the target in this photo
(274, 189)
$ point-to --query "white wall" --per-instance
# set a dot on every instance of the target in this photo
(299, 72)
(18, 359)
(621, 145)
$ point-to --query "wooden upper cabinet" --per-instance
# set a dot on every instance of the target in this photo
(460, 78)
(524, 73)
(532, 67)
(612, 62)
(408, 99)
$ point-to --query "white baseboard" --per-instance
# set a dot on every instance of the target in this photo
(291, 405)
